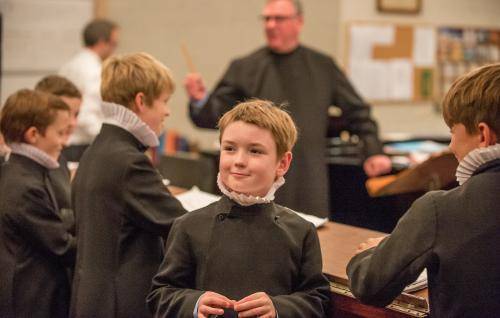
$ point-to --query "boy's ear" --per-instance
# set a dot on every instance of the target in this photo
(31, 135)
(284, 164)
(139, 103)
(488, 136)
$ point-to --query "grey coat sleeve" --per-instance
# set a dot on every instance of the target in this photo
(39, 221)
(356, 113)
(378, 275)
(227, 93)
(172, 293)
(312, 295)
(149, 203)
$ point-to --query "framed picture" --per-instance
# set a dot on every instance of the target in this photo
(399, 6)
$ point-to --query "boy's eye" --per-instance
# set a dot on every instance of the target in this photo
(256, 151)
(228, 148)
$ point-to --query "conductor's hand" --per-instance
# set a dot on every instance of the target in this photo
(256, 305)
(371, 242)
(195, 87)
(213, 304)
(377, 165)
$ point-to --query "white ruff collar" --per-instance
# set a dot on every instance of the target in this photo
(474, 159)
(35, 154)
(247, 200)
(123, 117)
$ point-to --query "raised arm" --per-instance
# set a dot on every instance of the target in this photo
(205, 108)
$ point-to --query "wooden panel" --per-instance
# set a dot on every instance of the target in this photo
(100, 8)
(338, 245)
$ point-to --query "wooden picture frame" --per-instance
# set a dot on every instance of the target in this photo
(399, 6)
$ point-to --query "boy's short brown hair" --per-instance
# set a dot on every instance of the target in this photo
(264, 114)
(59, 86)
(28, 108)
(123, 76)
(475, 98)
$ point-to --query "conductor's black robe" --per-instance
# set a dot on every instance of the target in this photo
(35, 246)
(122, 212)
(310, 82)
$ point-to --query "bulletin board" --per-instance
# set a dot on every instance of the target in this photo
(392, 62)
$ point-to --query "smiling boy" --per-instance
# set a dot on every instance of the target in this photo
(35, 245)
(245, 255)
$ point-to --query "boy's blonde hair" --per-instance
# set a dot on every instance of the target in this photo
(475, 98)
(28, 108)
(124, 76)
(264, 114)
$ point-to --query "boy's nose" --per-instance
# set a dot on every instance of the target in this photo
(240, 159)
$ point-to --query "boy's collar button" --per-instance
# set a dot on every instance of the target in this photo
(221, 217)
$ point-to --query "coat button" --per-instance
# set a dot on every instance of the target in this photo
(221, 217)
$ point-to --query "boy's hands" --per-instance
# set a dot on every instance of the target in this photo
(371, 242)
(213, 304)
(256, 305)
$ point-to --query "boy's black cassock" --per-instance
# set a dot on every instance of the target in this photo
(122, 211)
(237, 251)
(455, 235)
(35, 246)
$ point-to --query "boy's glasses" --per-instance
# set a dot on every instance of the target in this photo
(277, 18)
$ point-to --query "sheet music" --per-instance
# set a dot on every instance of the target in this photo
(313, 219)
(195, 199)
(418, 284)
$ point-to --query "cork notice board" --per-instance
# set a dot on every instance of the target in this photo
(390, 62)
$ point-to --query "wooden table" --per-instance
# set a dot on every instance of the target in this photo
(338, 245)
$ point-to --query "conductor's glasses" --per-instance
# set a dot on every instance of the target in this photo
(277, 18)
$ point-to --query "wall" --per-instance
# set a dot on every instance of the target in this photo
(38, 36)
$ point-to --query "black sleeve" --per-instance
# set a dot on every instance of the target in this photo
(312, 295)
(355, 112)
(172, 293)
(224, 97)
(40, 222)
(149, 203)
(378, 275)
